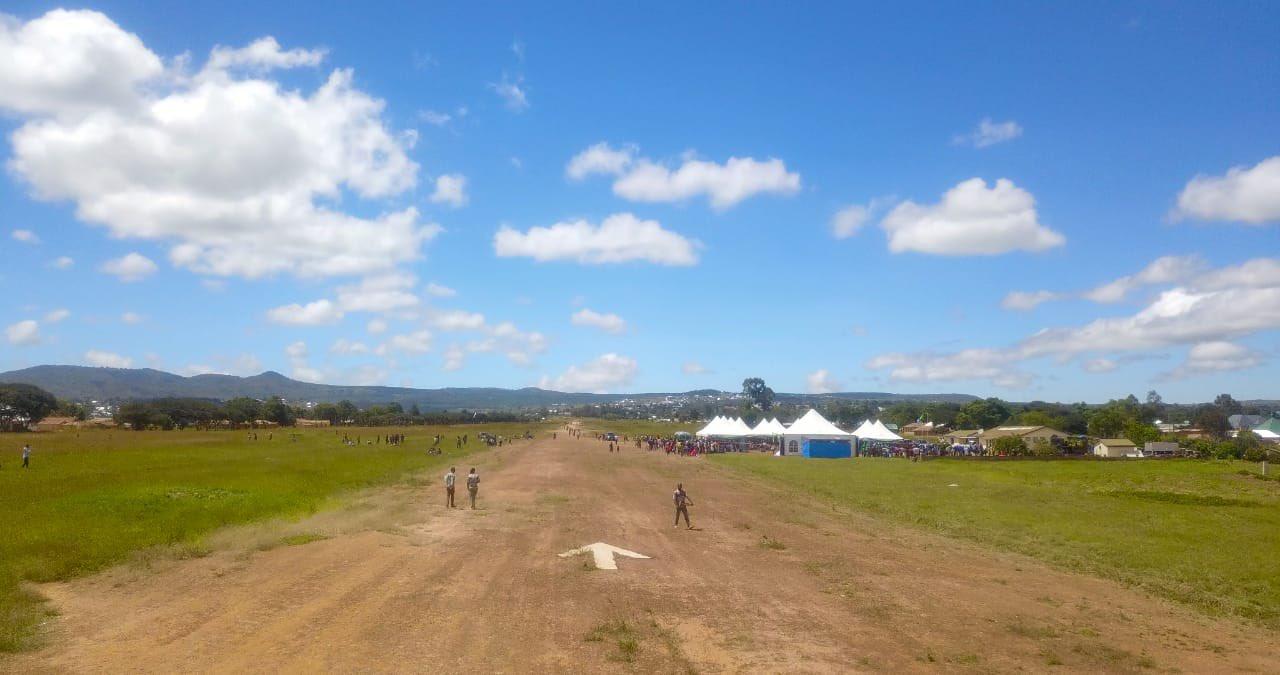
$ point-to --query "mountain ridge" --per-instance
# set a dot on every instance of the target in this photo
(82, 383)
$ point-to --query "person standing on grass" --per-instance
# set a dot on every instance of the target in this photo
(473, 485)
(449, 479)
(26, 456)
(681, 499)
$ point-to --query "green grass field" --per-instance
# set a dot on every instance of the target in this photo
(633, 428)
(1196, 532)
(91, 499)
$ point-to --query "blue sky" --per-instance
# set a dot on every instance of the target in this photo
(832, 197)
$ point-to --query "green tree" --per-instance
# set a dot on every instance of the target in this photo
(1212, 420)
(760, 394)
(1141, 433)
(134, 414)
(346, 411)
(24, 404)
(1011, 446)
(275, 410)
(1109, 420)
(982, 414)
(244, 409)
(1227, 404)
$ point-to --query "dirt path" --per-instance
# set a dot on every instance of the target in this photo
(483, 591)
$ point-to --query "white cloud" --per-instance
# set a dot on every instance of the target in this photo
(644, 180)
(849, 220)
(724, 184)
(306, 373)
(622, 237)
(237, 172)
(57, 315)
(296, 350)
(1024, 301)
(971, 219)
(1245, 194)
(345, 346)
(101, 359)
(376, 326)
(600, 159)
(131, 318)
(316, 313)
(198, 369)
(693, 368)
(1216, 357)
(451, 189)
(970, 364)
(1212, 308)
(1164, 270)
(512, 92)
(434, 117)
(1100, 365)
(604, 373)
(262, 54)
(130, 268)
(454, 358)
(25, 332)
(456, 319)
(436, 290)
(382, 293)
(213, 285)
(821, 382)
(25, 237)
(62, 263)
(517, 48)
(609, 323)
(989, 133)
(417, 342)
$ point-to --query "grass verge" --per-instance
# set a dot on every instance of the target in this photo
(1192, 531)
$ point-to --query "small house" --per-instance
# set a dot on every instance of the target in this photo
(1115, 447)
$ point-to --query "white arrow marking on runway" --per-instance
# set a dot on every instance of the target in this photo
(604, 554)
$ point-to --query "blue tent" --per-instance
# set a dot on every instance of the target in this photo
(828, 449)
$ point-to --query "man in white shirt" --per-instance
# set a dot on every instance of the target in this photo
(26, 456)
(449, 479)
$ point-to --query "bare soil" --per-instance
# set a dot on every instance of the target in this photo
(767, 582)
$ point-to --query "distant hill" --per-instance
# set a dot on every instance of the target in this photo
(82, 383)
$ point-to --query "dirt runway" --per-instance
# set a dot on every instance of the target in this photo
(768, 582)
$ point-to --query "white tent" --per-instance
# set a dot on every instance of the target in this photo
(711, 427)
(724, 427)
(737, 427)
(875, 431)
(769, 428)
(812, 425)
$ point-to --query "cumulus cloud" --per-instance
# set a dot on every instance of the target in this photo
(513, 93)
(382, 293)
(25, 237)
(344, 347)
(1215, 357)
(821, 382)
(434, 117)
(102, 359)
(1025, 301)
(25, 332)
(600, 375)
(849, 220)
(454, 358)
(609, 323)
(1245, 194)
(436, 290)
(600, 158)
(1164, 270)
(620, 238)
(1212, 308)
(644, 180)
(62, 263)
(416, 342)
(989, 133)
(237, 173)
(57, 315)
(376, 326)
(318, 313)
(451, 189)
(972, 219)
(130, 268)
(456, 320)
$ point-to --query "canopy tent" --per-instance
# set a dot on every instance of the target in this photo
(769, 428)
(813, 425)
(724, 427)
(777, 427)
(875, 431)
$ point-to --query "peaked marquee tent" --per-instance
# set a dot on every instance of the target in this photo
(875, 431)
(811, 426)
